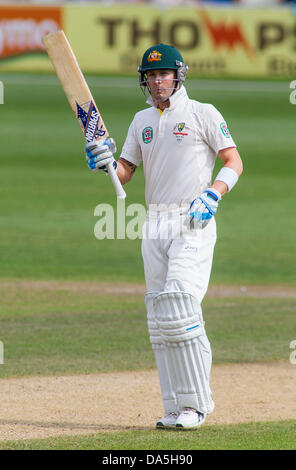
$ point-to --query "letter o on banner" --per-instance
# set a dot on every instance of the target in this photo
(193, 30)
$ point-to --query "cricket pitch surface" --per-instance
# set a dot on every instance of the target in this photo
(40, 407)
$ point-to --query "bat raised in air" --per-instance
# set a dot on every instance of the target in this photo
(79, 96)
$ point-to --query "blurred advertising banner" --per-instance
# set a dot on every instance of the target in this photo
(21, 32)
(225, 41)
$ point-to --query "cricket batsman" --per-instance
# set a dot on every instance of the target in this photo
(178, 140)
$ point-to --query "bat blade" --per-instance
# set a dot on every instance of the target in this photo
(78, 94)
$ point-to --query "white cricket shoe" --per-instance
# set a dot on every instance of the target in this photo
(190, 419)
(167, 422)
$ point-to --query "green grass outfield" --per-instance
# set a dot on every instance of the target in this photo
(64, 332)
(250, 436)
(48, 198)
(48, 195)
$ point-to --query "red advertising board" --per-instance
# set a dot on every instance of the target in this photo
(22, 28)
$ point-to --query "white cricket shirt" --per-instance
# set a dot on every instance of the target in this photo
(178, 148)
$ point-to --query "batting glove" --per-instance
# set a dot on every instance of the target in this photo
(202, 209)
(100, 153)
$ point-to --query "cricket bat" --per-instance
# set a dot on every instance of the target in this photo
(78, 94)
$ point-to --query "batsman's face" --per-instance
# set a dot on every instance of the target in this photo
(161, 84)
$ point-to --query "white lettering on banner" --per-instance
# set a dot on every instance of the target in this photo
(24, 34)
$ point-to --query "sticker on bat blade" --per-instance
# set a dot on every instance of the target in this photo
(89, 119)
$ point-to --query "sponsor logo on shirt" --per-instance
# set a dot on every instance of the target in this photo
(179, 131)
(225, 130)
(147, 135)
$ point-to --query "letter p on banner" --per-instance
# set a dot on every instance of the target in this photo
(1, 353)
(1, 93)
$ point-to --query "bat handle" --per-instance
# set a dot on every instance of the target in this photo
(116, 183)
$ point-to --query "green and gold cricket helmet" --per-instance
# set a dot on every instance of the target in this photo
(163, 56)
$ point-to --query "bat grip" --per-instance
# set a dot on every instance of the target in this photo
(115, 180)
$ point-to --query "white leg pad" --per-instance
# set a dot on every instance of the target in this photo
(189, 357)
(159, 348)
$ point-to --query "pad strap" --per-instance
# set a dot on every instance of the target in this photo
(153, 328)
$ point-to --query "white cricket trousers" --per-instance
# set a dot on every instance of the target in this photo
(177, 266)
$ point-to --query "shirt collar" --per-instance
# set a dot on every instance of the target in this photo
(179, 95)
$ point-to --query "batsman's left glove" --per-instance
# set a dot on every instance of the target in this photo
(202, 209)
(100, 153)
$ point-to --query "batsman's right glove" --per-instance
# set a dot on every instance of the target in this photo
(100, 153)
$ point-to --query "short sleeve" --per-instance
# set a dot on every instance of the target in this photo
(216, 130)
(131, 150)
